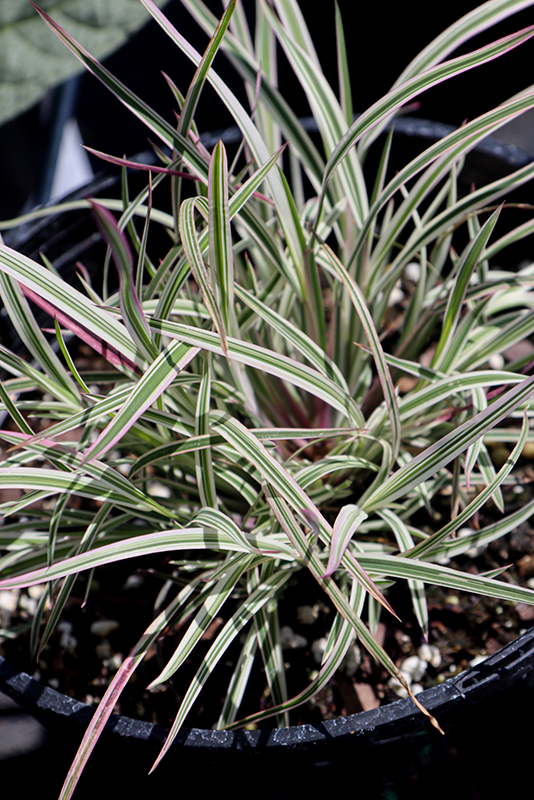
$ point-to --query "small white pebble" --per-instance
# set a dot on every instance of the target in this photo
(133, 581)
(317, 648)
(54, 683)
(416, 688)
(156, 489)
(412, 271)
(518, 489)
(496, 361)
(36, 591)
(67, 641)
(398, 688)
(530, 583)
(415, 667)
(28, 604)
(406, 675)
(289, 640)
(352, 660)
(115, 661)
(307, 615)
(64, 626)
(396, 296)
(477, 549)
(102, 627)
(9, 600)
(430, 653)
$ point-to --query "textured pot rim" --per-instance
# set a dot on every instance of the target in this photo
(497, 673)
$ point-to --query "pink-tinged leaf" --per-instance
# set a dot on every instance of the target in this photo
(99, 720)
(124, 162)
(114, 690)
(151, 386)
(132, 312)
(351, 565)
(142, 110)
(99, 345)
(26, 438)
(347, 522)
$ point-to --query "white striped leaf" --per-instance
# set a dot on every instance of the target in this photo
(428, 545)
(192, 249)
(254, 602)
(301, 544)
(327, 113)
(203, 457)
(358, 300)
(62, 298)
(346, 524)
(197, 83)
(24, 322)
(220, 236)
(156, 379)
(132, 312)
(449, 447)
(250, 133)
(336, 654)
(234, 568)
(412, 88)
(189, 538)
(267, 361)
(417, 588)
(439, 575)
(70, 461)
(458, 289)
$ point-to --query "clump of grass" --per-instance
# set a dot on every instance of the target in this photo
(254, 371)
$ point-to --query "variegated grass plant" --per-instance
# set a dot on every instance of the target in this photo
(254, 372)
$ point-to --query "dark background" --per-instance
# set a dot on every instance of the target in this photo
(381, 40)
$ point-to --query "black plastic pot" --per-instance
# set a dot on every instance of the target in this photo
(391, 752)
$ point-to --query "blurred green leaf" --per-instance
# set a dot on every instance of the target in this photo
(33, 60)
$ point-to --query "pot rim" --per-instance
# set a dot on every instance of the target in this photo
(497, 673)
